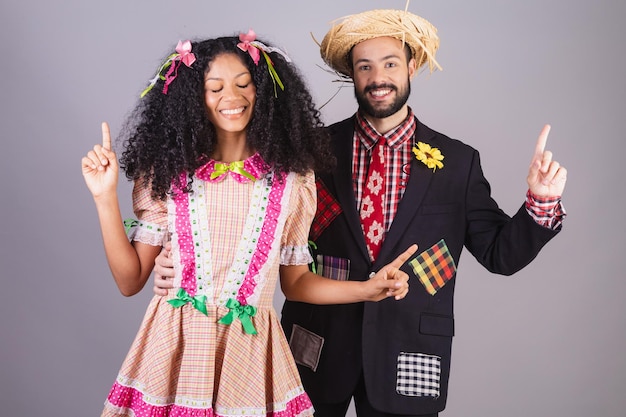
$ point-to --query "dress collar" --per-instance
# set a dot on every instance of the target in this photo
(250, 169)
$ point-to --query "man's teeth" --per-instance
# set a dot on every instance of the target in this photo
(380, 93)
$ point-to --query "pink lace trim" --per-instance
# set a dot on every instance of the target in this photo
(185, 240)
(131, 398)
(266, 238)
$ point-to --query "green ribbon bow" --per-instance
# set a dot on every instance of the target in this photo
(236, 167)
(182, 298)
(129, 224)
(244, 312)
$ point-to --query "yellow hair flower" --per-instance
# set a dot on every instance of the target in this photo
(431, 157)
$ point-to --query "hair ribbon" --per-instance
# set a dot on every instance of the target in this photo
(183, 55)
(250, 45)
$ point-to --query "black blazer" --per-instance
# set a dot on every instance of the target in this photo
(453, 203)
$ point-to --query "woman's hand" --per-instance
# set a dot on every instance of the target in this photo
(100, 167)
(390, 281)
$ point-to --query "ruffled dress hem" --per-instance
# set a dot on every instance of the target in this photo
(129, 401)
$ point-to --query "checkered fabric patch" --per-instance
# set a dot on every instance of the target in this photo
(434, 267)
(333, 267)
(418, 375)
(327, 210)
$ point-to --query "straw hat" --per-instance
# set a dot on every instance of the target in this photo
(417, 32)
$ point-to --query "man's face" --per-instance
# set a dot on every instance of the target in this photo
(382, 76)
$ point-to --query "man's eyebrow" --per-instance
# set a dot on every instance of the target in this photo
(382, 59)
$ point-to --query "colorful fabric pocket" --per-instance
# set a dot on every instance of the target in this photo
(434, 267)
(418, 375)
(333, 267)
(327, 210)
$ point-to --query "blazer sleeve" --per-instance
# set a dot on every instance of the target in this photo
(502, 244)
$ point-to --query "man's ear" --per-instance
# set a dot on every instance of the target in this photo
(412, 68)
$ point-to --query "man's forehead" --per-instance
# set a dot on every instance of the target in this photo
(378, 48)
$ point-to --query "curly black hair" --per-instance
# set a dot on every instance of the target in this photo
(169, 134)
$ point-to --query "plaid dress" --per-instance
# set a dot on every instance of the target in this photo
(214, 346)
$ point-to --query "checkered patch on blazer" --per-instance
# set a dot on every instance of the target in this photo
(418, 375)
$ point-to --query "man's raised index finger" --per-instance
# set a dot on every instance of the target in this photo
(542, 140)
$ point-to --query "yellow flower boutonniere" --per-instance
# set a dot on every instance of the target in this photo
(431, 157)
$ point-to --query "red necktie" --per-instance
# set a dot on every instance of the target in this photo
(372, 204)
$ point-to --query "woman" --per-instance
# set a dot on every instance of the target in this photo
(221, 149)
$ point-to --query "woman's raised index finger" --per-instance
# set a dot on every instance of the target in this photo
(106, 136)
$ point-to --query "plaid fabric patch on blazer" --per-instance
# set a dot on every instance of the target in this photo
(327, 210)
(333, 267)
(434, 267)
(418, 375)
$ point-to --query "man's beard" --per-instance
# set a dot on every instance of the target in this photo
(402, 96)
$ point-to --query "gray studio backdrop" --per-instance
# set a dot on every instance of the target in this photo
(550, 341)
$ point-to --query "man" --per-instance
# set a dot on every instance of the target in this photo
(398, 182)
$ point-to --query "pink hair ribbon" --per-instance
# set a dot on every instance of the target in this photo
(246, 45)
(183, 54)
(254, 48)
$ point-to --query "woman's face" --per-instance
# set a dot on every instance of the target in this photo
(229, 94)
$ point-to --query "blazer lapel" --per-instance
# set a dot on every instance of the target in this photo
(417, 186)
(343, 183)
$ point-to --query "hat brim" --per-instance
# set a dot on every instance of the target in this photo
(419, 34)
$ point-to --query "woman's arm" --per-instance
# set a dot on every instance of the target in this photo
(300, 284)
(130, 264)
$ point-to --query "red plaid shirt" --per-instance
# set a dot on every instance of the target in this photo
(547, 212)
(399, 140)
